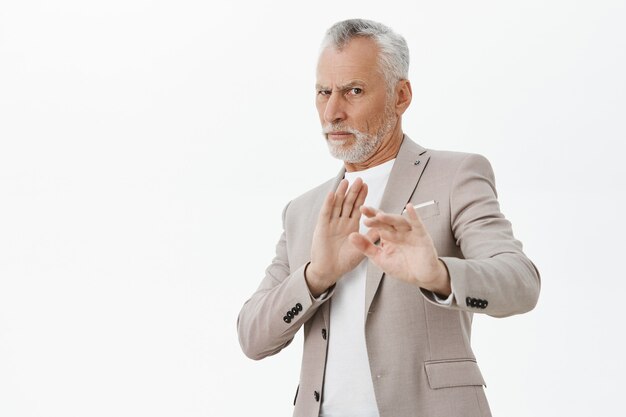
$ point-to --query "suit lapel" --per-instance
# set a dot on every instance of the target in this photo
(405, 174)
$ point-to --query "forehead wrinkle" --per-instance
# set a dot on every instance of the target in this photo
(352, 83)
(345, 75)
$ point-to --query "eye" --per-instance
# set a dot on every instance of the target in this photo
(355, 91)
(323, 92)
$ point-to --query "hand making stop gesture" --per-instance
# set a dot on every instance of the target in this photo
(405, 250)
(332, 254)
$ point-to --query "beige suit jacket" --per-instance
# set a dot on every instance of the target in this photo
(419, 351)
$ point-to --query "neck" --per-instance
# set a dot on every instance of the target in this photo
(387, 151)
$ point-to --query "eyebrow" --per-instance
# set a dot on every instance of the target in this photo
(347, 86)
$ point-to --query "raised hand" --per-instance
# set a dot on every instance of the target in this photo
(406, 250)
(332, 254)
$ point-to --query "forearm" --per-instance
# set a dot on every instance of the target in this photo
(262, 327)
(504, 285)
(493, 275)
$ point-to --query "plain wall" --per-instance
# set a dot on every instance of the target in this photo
(147, 149)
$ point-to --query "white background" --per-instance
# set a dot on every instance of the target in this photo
(147, 149)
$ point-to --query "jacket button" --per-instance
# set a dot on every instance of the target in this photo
(299, 307)
(468, 301)
(286, 319)
(316, 395)
(324, 334)
(294, 311)
(485, 303)
(290, 314)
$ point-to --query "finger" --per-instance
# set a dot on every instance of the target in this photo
(368, 211)
(392, 236)
(374, 223)
(327, 207)
(373, 235)
(340, 194)
(414, 219)
(351, 196)
(360, 199)
(396, 221)
(363, 245)
(389, 234)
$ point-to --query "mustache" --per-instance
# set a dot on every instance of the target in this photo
(331, 128)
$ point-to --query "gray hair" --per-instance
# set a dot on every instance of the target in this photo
(394, 52)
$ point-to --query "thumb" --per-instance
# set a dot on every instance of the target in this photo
(373, 235)
(363, 244)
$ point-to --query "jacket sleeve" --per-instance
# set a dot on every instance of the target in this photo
(494, 276)
(269, 320)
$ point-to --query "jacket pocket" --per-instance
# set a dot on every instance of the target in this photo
(453, 373)
(428, 210)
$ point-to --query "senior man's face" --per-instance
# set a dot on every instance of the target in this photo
(355, 112)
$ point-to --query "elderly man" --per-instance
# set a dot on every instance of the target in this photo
(385, 264)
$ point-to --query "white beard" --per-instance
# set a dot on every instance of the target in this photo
(364, 145)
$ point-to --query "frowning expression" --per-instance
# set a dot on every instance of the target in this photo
(352, 100)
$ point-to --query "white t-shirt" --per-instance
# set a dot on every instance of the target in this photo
(348, 387)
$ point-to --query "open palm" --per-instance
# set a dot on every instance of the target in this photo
(332, 253)
(405, 250)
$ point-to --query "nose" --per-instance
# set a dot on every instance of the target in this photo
(335, 109)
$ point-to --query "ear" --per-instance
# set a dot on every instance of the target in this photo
(404, 94)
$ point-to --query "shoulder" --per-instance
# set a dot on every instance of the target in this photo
(314, 194)
(454, 164)
(453, 158)
(444, 159)
(308, 203)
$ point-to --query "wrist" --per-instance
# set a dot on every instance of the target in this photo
(439, 281)
(317, 285)
(442, 286)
